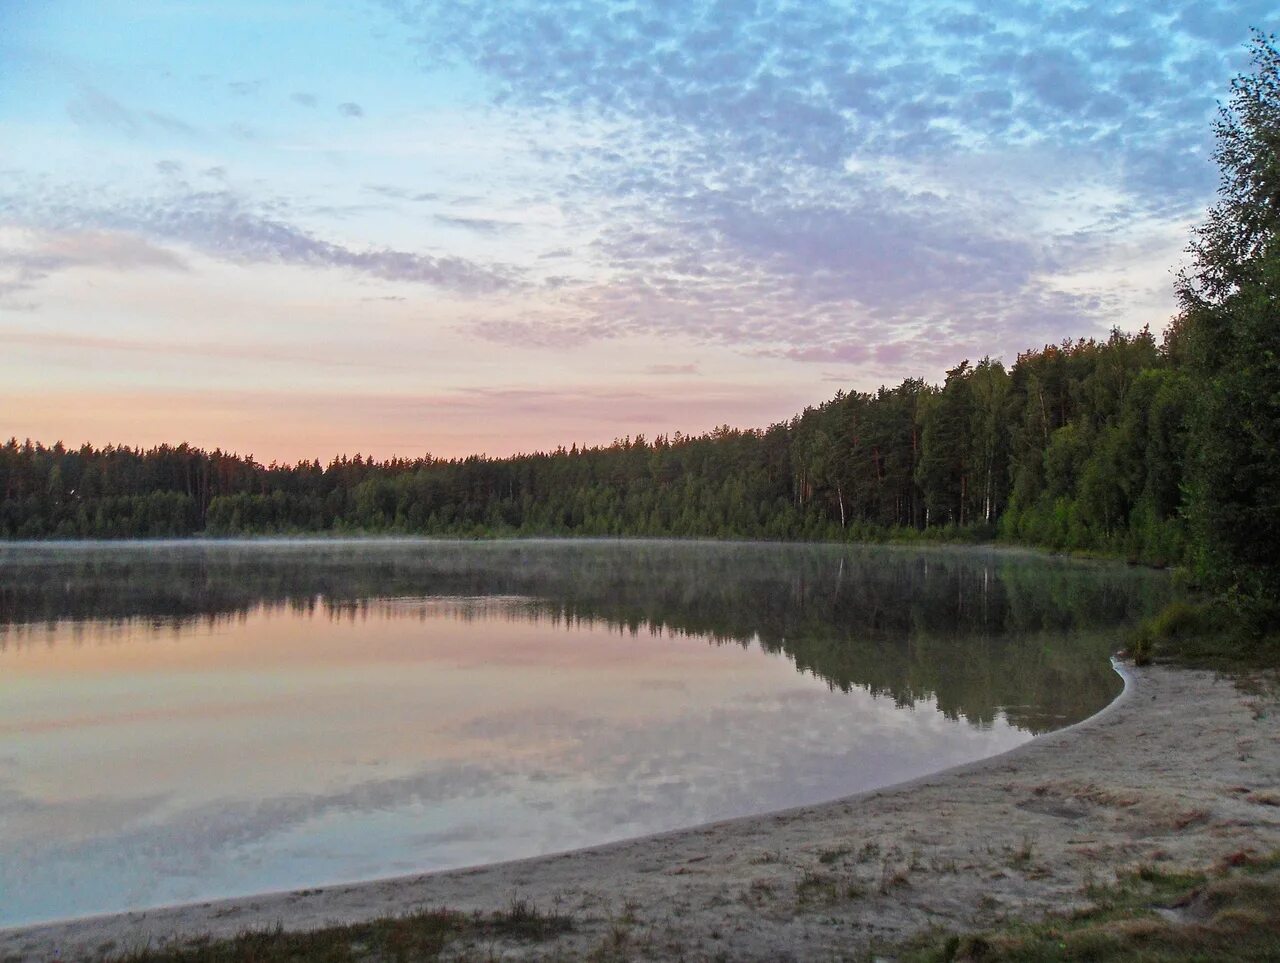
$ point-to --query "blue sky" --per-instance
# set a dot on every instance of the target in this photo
(294, 229)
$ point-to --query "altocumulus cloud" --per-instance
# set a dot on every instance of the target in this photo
(27, 257)
(894, 181)
(224, 225)
(91, 107)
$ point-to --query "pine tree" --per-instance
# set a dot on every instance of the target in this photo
(1231, 303)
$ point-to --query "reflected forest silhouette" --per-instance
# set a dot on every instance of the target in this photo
(981, 631)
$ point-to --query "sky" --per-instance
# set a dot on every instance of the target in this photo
(297, 229)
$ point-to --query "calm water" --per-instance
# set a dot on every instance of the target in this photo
(186, 721)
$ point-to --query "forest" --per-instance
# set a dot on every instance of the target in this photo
(1080, 445)
(1160, 450)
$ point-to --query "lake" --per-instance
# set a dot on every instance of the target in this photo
(185, 721)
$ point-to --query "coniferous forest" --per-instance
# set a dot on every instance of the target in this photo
(1162, 450)
(1077, 446)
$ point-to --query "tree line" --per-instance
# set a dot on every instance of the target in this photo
(1160, 451)
(1080, 445)
(1077, 446)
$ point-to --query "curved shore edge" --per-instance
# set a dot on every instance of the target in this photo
(1181, 769)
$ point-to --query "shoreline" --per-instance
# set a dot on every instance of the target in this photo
(1180, 770)
(892, 539)
(273, 895)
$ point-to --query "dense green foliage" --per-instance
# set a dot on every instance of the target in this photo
(1231, 326)
(1079, 446)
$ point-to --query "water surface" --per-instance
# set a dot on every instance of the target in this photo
(183, 721)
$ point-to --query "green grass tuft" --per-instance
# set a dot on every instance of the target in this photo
(1206, 635)
(423, 936)
(1230, 913)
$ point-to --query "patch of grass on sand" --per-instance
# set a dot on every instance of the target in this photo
(1229, 913)
(422, 936)
(1207, 634)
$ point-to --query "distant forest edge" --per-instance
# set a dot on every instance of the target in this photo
(1164, 452)
(1078, 446)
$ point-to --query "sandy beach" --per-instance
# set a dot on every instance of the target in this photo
(1182, 770)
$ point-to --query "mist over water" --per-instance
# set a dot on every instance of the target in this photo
(182, 721)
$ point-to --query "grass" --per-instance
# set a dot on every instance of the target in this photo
(424, 936)
(1150, 915)
(1021, 857)
(1203, 635)
(1229, 913)
(829, 856)
(826, 888)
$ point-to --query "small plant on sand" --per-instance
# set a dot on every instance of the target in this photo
(1021, 857)
(891, 878)
(826, 888)
(814, 886)
(829, 856)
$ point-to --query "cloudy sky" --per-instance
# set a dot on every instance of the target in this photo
(300, 228)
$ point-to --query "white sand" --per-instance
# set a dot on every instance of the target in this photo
(1182, 770)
